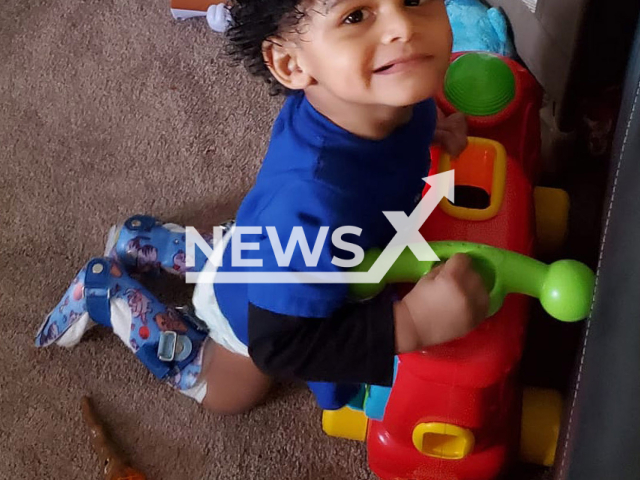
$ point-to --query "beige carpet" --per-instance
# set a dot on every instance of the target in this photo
(109, 108)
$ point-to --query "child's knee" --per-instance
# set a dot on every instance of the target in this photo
(234, 383)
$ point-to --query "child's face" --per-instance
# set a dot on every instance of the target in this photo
(385, 52)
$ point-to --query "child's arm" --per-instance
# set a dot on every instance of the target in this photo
(451, 133)
(358, 342)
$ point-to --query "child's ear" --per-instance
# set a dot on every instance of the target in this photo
(282, 59)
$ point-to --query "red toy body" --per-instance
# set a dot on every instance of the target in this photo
(472, 382)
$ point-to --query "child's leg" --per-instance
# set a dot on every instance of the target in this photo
(166, 341)
(143, 244)
(234, 383)
(224, 381)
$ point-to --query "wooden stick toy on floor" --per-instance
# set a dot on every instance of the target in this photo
(116, 466)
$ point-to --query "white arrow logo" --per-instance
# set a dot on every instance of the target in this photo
(407, 235)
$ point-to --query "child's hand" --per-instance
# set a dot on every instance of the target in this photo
(451, 133)
(444, 305)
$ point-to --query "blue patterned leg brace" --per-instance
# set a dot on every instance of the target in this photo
(168, 342)
(144, 244)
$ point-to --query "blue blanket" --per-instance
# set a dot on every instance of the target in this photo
(478, 27)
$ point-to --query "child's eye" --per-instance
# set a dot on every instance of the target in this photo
(413, 3)
(356, 16)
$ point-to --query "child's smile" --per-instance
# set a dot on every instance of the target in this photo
(402, 64)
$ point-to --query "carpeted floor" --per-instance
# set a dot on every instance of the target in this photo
(109, 108)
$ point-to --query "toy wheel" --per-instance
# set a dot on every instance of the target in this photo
(552, 216)
(345, 423)
(541, 417)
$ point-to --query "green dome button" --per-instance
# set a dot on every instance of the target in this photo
(479, 84)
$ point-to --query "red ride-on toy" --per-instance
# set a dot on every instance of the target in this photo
(457, 411)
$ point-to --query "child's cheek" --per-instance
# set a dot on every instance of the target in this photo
(350, 64)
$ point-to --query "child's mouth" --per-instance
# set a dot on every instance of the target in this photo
(401, 64)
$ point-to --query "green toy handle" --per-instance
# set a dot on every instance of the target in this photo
(564, 288)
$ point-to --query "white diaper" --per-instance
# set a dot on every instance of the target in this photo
(207, 308)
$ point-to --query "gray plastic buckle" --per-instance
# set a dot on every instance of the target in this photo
(174, 347)
(167, 346)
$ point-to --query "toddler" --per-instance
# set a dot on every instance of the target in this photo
(351, 142)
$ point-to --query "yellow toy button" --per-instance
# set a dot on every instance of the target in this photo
(443, 440)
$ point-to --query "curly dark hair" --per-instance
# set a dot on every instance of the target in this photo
(254, 21)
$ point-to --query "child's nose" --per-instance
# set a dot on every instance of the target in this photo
(397, 25)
